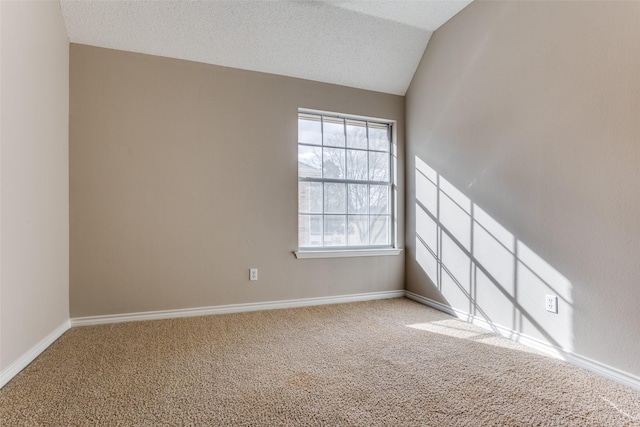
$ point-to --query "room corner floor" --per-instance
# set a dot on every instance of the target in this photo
(389, 362)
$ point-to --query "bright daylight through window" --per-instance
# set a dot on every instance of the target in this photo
(345, 173)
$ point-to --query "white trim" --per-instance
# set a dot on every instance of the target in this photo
(347, 253)
(594, 366)
(606, 371)
(231, 308)
(23, 361)
(430, 303)
(346, 116)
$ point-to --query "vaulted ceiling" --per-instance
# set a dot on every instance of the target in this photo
(368, 44)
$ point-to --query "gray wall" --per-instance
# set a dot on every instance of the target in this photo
(526, 114)
(34, 178)
(184, 175)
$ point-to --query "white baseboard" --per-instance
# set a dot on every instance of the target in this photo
(231, 308)
(12, 370)
(431, 303)
(604, 370)
(599, 368)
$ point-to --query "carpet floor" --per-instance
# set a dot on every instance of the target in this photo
(391, 362)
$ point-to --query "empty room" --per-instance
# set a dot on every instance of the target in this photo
(292, 212)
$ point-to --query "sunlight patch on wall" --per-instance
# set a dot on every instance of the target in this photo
(482, 269)
(536, 278)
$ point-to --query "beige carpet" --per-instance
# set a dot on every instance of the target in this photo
(392, 363)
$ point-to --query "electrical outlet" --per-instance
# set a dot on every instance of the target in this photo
(253, 274)
(551, 303)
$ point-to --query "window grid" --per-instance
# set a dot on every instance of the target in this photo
(346, 215)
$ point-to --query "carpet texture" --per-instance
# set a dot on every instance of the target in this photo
(392, 363)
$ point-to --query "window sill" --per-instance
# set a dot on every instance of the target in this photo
(347, 253)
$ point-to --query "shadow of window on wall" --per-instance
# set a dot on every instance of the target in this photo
(483, 270)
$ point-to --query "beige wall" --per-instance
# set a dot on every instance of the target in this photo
(184, 175)
(526, 114)
(34, 189)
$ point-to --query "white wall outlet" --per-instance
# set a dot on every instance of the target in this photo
(253, 274)
(551, 303)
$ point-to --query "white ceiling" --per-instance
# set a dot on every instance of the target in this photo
(368, 44)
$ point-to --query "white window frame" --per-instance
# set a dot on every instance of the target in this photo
(358, 251)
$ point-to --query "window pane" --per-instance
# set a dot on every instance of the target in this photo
(335, 196)
(310, 197)
(356, 134)
(379, 199)
(358, 230)
(309, 129)
(309, 230)
(378, 166)
(335, 230)
(378, 137)
(344, 191)
(333, 166)
(357, 166)
(358, 198)
(309, 161)
(333, 131)
(380, 230)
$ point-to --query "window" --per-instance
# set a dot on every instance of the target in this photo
(345, 183)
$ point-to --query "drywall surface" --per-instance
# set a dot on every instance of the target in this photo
(34, 189)
(184, 175)
(523, 172)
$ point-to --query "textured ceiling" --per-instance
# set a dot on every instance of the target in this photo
(367, 44)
